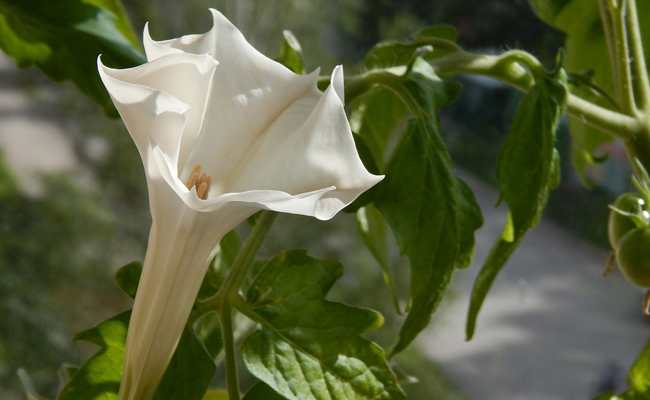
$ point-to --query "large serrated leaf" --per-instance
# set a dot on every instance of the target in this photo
(309, 348)
(420, 200)
(64, 38)
(99, 378)
(527, 169)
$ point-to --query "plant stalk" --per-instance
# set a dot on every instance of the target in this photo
(641, 84)
(227, 333)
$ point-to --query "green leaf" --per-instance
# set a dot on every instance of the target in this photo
(63, 39)
(189, 373)
(390, 53)
(227, 250)
(470, 220)
(208, 329)
(372, 227)
(420, 199)
(291, 53)
(262, 391)
(128, 277)
(606, 396)
(639, 376)
(99, 378)
(307, 347)
(376, 118)
(527, 169)
(215, 395)
(586, 49)
(8, 183)
(65, 374)
(187, 377)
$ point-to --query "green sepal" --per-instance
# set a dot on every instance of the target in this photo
(307, 347)
(64, 38)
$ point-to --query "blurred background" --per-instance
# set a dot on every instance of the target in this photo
(73, 209)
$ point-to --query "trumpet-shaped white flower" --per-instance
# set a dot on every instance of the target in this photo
(223, 131)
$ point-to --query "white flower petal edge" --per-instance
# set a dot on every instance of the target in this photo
(266, 138)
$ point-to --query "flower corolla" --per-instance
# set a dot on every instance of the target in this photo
(223, 132)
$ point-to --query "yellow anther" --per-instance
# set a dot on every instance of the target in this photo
(201, 180)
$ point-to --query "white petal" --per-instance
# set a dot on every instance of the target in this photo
(177, 82)
(338, 83)
(181, 244)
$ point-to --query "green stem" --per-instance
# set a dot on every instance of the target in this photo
(227, 332)
(623, 79)
(610, 38)
(246, 255)
(640, 73)
(508, 69)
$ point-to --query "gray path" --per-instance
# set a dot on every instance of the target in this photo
(551, 328)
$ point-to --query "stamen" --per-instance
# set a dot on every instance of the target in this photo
(201, 180)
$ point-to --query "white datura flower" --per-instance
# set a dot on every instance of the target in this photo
(223, 132)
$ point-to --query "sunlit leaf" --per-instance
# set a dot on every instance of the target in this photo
(639, 376)
(307, 347)
(99, 378)
(64, 38)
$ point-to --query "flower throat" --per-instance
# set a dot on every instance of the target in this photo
(201, 180)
